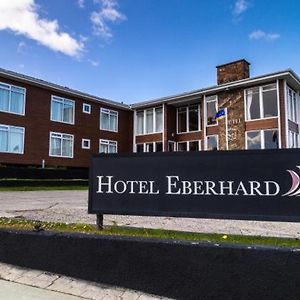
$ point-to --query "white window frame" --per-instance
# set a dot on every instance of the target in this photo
(295, 107)
(9, 88)
(261, 107)
(108, 142)
(9, 127)
(61, 134)
(206, 139)
(211, 98)
(262, 140)
(295, 137)
(145, 121)
(89, 144)
(62, 100)
(187, 112)
(188, 145)
(86, 105)
(109, 112)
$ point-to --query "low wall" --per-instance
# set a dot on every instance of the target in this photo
(38, 173)
(180, 270)
(42, 183)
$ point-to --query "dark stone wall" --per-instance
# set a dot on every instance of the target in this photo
(180, 270)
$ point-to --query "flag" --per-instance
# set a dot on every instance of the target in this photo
(220, 114)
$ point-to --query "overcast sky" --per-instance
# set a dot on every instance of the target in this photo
(134, 50)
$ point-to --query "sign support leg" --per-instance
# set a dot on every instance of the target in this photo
(99, 221)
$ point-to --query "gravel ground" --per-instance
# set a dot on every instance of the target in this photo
(71, 207)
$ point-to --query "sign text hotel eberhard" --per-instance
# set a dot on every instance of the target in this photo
(255, 185)
(176, 186)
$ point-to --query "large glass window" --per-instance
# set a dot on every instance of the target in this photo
(292, 105)
(159, 119)
(212, 142)
(261, 102)
(62, 110)
(211, 110)
(107, 146)
(12, 99)
(262, 139)
(149, 121)
(108, 120)
(188, 118)
(140, 122)
(61, 144)
(11, 139)
(182, 119)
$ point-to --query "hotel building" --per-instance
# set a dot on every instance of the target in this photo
(46, 124)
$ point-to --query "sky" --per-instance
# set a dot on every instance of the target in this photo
(136, 50)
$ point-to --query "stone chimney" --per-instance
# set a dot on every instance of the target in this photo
(233, 71)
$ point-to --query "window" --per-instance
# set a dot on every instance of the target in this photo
(149, 147)
(140, 122)
(86, 144)
(212, 142)
(61, 145)
(12, 139)
(188, 118)
(139, 148)
(188, 146)
(62, 110)
(171, 146)
(211, 110)
(262, 139)
(292, 105)
(194, 146)
(293, 139)
(108, 120)
(107, 146)
(158, 147)
(158, 119)
(181, 146)
(261, 102)
(149, 121)
(182, 119)
(12, 99)
(86, 108)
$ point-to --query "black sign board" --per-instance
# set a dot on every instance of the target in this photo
(245, 185)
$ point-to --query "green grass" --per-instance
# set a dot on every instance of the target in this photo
(23, 224)
(42, 188)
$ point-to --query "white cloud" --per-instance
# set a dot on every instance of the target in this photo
(21, 17)
(108, 13)
(21, 47)
(240, 6)
(80, 3)
(93, 63)
(262, 35)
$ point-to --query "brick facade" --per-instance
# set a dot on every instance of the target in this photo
(233, 80)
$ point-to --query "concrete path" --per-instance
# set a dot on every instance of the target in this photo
(18, 283)
(16, 291)
(71, 207)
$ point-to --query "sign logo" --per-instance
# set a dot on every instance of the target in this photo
(294, 190)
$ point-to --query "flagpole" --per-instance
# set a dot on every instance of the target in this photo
(226, 127)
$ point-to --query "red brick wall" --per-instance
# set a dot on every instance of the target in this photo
(38, 126)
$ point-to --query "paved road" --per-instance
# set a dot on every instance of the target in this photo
(71, 206)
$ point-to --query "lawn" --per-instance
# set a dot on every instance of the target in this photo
(30, 225)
